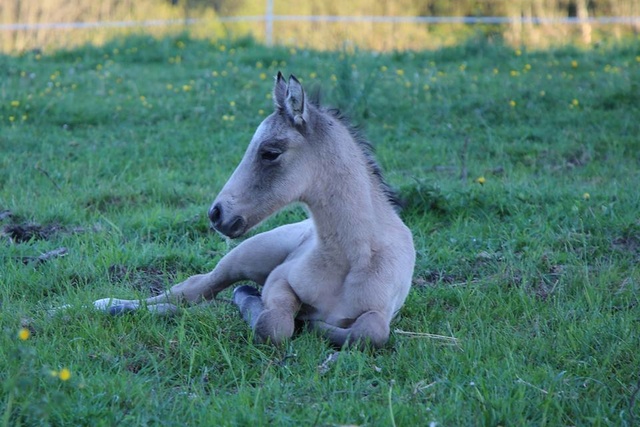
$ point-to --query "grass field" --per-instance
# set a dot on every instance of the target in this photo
(520, 171)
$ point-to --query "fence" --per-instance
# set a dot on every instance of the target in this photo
(516, 29)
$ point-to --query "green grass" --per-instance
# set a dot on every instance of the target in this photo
(117, 152)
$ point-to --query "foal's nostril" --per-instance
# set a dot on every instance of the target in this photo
(215, 213)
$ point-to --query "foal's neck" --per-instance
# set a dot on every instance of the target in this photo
(350, 211)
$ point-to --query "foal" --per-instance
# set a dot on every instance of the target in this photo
(345, 271)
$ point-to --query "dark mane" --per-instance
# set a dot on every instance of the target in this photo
(369, 153)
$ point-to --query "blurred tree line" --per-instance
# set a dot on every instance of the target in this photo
(318, 34)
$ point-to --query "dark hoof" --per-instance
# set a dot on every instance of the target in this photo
(244, 291)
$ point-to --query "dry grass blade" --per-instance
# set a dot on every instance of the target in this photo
(448, 340)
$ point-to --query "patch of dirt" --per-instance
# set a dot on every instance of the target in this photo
(145, 278)
(628, 244)
(20, 233)
(432, 278)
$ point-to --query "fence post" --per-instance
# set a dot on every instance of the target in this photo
(268, 19)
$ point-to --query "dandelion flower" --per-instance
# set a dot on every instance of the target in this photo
(512, 103)
(575, 102)
(586, 196)
(15, 104)
(400, 72)
(64, 374)
(481, 180)
(574, 64)
(24, 334)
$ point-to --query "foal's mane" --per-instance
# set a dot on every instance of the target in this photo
(368, 151)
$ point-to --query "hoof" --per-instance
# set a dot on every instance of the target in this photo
(241, 292)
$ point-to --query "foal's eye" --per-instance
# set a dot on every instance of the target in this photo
(270, 155)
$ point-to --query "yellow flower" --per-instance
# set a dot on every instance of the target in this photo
(575, 102)
(512, 103)
(24, 334)
(518, 52)
(263, 76)
(64, 374)
(574, 64)
(400, 72)
(586, 196)
(481, 180)
(15, 104)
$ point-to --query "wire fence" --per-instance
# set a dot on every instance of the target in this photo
(269, 19)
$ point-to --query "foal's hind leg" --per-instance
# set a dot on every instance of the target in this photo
(370, 328)
(253, 260)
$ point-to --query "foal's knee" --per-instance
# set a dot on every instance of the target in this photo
(274, 325)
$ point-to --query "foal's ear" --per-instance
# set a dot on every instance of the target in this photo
(279, 92)
(295, 104)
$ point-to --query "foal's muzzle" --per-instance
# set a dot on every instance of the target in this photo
(231, 227)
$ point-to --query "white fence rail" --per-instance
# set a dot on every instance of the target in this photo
(269, 19)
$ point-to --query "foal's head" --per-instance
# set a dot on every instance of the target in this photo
(301, 152)
(275, 169)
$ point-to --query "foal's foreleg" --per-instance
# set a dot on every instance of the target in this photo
(370, 328)
(252, 260)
